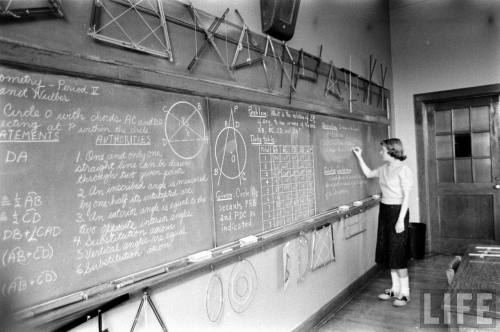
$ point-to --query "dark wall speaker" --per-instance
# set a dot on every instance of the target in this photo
(279, 17)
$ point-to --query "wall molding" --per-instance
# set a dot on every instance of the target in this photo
(338, 302)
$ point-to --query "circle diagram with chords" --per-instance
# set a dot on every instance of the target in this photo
(185, 130)
(230, 151)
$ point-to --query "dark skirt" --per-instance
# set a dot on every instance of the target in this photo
(393, 250)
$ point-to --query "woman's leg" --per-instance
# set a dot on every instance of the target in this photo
(404, 295)
(396, 285)
(404, 281)
(392, 292)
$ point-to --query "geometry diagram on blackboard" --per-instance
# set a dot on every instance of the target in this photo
(230, 151)
(185, 130)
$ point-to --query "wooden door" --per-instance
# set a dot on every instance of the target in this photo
(463, 172)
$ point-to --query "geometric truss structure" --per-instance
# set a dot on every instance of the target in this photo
(145, 302)
(263, 60)
(209, 38)
(301, 74)
(332, 83)
(23, 8)
(323, 251)
(139, 25)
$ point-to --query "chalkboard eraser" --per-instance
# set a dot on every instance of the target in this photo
(200, 256)
(357, 203)
(375, 196)
(248, 240)
(343, 207)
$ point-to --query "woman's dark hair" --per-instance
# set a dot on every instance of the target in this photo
(394, 148)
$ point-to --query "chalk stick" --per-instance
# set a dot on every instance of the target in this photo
(375, 196)
(482, 255)
(357, 203)
(125, 283)
(343, 207)
(488, 248)
(200, 256)
(53, 304)
(138, 276)
(248, 240)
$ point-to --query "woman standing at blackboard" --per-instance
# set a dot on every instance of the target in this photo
(395, 179)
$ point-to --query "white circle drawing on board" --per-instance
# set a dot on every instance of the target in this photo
(230, 151)
(242, 286)
(185, 130)
(215, 298)
(233, 160)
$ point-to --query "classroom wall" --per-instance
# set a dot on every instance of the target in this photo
(439, 45)
(182, 305)
(347, 30)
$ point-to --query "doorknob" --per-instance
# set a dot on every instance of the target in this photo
(496, 187)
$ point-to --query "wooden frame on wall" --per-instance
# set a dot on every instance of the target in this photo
(30, 8)
(157, 36)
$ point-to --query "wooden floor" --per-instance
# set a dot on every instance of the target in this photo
(366, 313)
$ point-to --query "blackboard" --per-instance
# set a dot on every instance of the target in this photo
(338, 175)
(263, 171)
(97, 181)
(101, 180)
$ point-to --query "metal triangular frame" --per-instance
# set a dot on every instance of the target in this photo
(133, 6)
(21, 9)
(268, 51)
(349, 79)
(323, 247)
(146, 298)
(383, 74)
(244, 33)
(286, 51)
(332, 83)
(209, 38)
(301, 74)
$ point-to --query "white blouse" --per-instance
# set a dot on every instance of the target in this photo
(393, 182)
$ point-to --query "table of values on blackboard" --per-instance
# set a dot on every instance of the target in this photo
(264, 173)
(101, 180)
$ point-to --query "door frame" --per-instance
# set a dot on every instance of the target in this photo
(422, 139)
